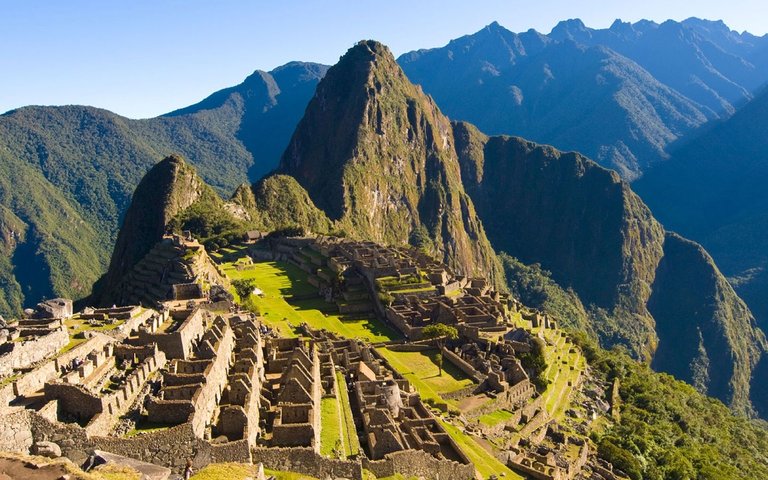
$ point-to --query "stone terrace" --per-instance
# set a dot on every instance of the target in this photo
(387, 408)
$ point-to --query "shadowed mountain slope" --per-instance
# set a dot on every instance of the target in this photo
(589, 99)
(586, 226)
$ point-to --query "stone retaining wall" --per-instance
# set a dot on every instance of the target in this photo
(307, 462)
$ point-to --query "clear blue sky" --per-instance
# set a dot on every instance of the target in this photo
(141, 58)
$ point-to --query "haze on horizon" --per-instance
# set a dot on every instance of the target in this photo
(144, 58)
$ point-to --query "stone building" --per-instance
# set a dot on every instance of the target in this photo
(294, 392)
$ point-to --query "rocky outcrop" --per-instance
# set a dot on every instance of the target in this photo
(377, 156)
(170, 187)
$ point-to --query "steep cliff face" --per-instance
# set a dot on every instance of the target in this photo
(707, 335)
(377, 156)
(656, 293)
(169, 188)
(577, 219)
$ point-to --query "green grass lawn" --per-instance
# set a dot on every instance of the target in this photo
(421, 370)
(484, 462)
(330, 426)
(494, 418)
(281, 282)
(145, 426)
(241, 471)
(349, 433)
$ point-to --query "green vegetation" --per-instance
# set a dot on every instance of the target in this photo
(349, 432)
(669, 430)
(331, 443)
(244, 287)
(420, 368)
(282, 283)
(496, 417)
(440, 332)
(279, 202)
(209, 221)
(117, 472)
(344, 162)
(484, 461)
(240, 471)
(145, 426)
(535, 288)
(338, 437)
(69, 172)
(536, 361)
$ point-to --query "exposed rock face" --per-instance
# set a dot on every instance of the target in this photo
(377, 156)
(46, 449)
(707, 335)
(166, 190)
(644, 288)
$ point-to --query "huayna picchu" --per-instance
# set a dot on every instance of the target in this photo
(401, 296)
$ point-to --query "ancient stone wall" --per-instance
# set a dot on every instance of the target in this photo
(16, 431)
(306, 461)
(33, 349)
(463, 365)
(419, 464)
(179, 343)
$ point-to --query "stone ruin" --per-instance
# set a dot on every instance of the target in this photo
(38, 335)
(293, 391)
(389, 411)
(187, 379)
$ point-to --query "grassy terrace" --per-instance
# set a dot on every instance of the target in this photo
(338, 428)
(240, 471)
(559, 373)
(285, 303)
(348, 432)
(494, 418)
(330, 427)
(484, 461)
(420, 368)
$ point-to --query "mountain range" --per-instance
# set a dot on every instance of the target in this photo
(367, 152)
(610, 94)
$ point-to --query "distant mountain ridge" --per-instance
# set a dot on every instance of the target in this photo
(620, 95)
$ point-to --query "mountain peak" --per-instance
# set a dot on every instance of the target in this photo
(571, 29)
(169, 187)
(376, 155)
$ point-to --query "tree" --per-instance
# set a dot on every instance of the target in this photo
(440, 332)
(439, 361)
(244, 288)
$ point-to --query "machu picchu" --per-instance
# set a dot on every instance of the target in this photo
(329, 273)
